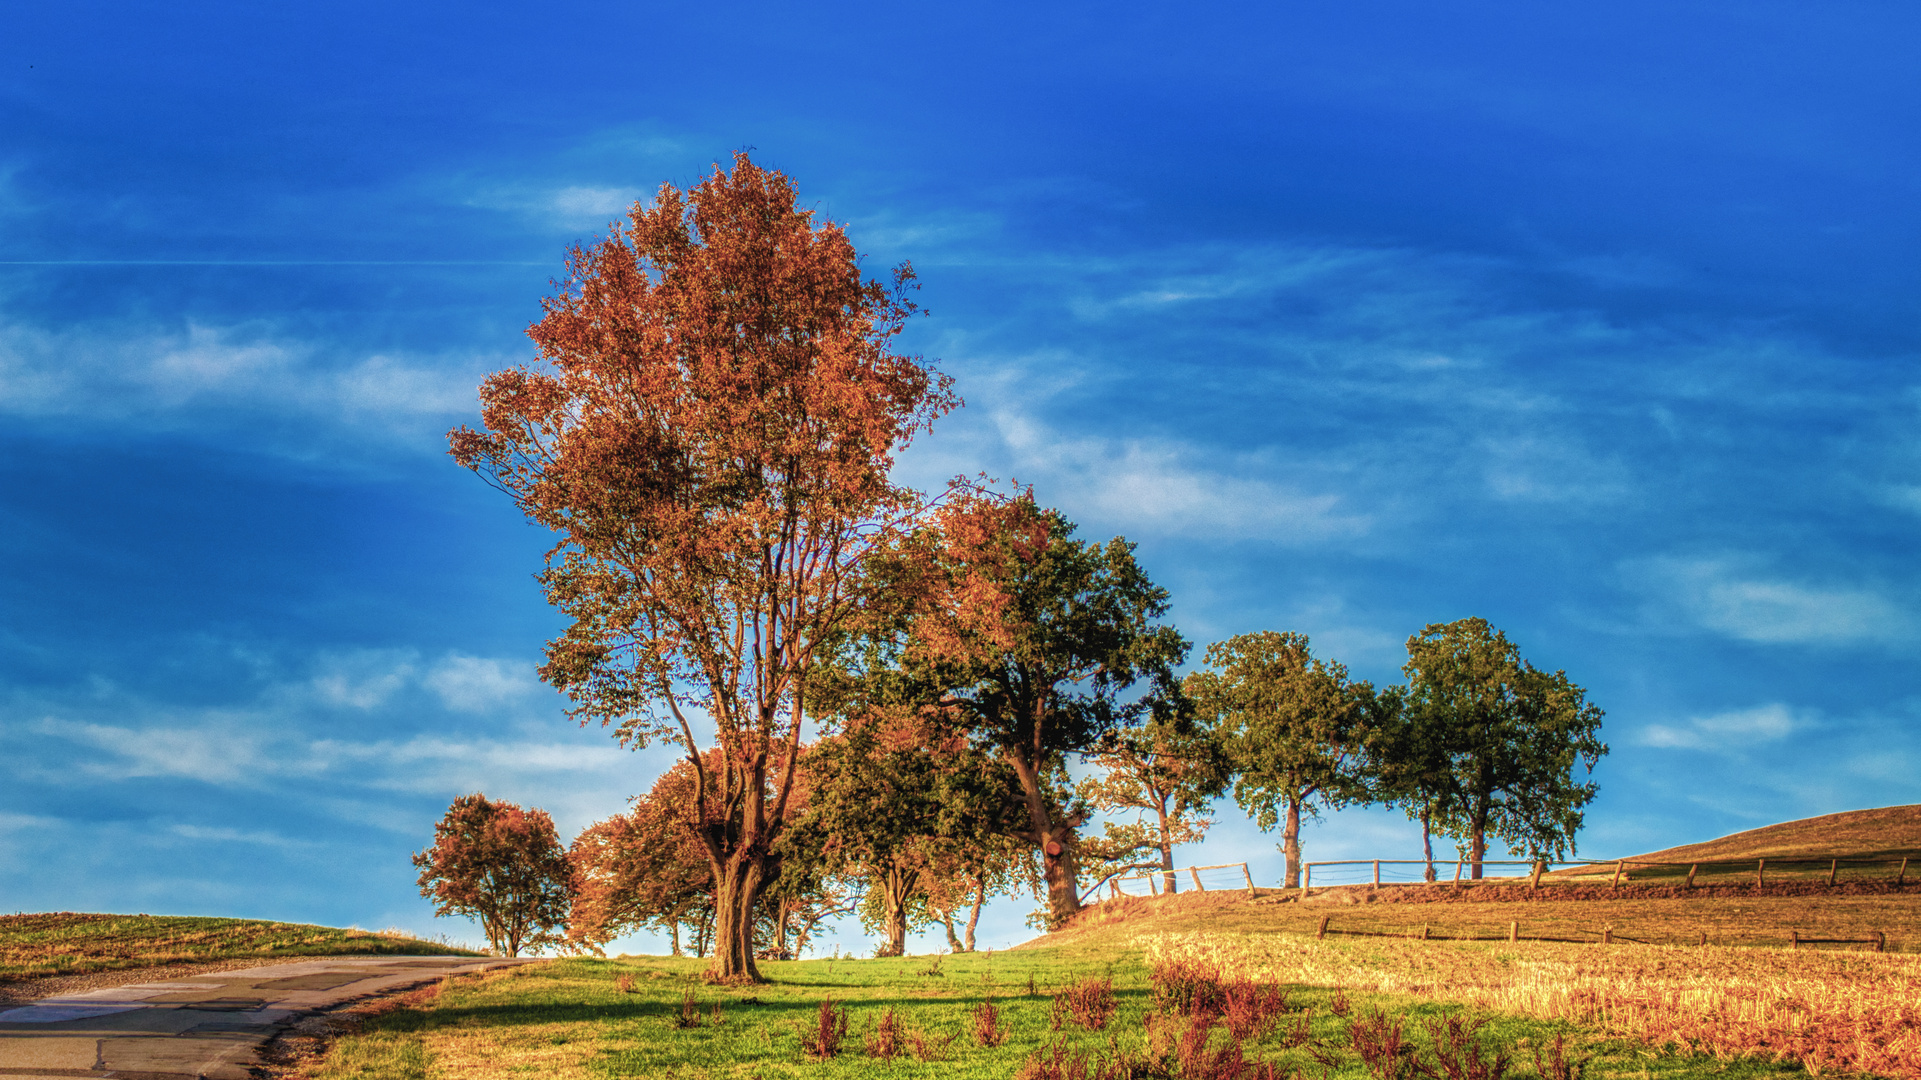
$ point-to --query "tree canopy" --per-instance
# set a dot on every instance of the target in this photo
(1294, 726)
(1509, 735)
(503, 867)
(710, 432)
(1034, 643)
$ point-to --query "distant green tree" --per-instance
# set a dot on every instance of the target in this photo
(1490, 742)
(501, 865)
(1294, 727)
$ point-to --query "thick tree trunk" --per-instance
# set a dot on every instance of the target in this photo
(896, 884)
(738, 886)
(1056, 841)
(1291, 843)
(953, 939)
(1167, 849)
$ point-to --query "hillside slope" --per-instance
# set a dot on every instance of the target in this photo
(1891, 831)
(71, 943)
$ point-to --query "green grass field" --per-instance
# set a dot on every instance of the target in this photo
(66, 943)
(571, 1018)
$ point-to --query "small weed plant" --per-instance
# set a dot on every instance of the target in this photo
(822, 1041)
(888, 1041)
(987, 1025)
(1089, 1004)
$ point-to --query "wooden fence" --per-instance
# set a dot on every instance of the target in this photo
(1621, 867)
(1604, 936)
(1153, 879)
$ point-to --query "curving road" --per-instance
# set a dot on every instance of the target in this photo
(203, 1026)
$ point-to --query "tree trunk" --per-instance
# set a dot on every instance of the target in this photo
(1477, 838)
(974, 917)
(1057, 844)
(896, 889)
(953, 939)
(1427, 843)
(1291, 843)
(737, 889)
(1167, 849)
(673, 932)
(781, 929)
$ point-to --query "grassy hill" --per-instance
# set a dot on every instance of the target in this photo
(1888, 832)
(67, 943)
(1651, 905)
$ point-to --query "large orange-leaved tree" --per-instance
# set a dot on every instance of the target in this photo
(710, 432)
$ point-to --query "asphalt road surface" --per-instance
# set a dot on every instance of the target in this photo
(209, 1026)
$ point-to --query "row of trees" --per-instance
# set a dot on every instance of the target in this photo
(911, 825)
(867, 683)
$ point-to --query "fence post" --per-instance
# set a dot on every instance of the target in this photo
(1514, 930)
(1423, 931)
(1114, 888)
(1607, 935)
(1539, 865)
(1902, 877)
(1834, 867)
(1321, 930)
(1617, 873)
(1198, 887)
(1249, 875)
(1794, 939)
(1307, 875)
(1880, 941)
(1691, 871)
(1153, 889)
(1457, 870)
(1704, 937)
(1760, 871)
(1377, 873)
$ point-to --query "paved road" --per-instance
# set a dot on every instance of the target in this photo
(204, 1026)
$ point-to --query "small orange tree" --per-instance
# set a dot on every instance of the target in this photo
(642, 868)
(501, 865)
(711, 435)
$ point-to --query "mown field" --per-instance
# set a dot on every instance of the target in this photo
(67, 943)
(1640, 1011)
(572, 1018)
(1648, 914)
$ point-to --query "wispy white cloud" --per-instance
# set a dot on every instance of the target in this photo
(163, 377)
(1728, 732)
(476, 684)
(221, 834)
(1736, 596)
(214, 754)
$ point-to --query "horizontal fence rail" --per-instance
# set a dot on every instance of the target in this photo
(1136, 881)
(1403, 871)
(1607, 935)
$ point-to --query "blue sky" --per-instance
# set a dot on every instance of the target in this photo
(1599, 324)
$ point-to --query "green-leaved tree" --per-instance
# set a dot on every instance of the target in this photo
(1294, 727)
(1509, 735)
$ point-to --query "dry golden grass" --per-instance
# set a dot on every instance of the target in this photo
(1890, 831)
(1845, 1012)
(1655, 915)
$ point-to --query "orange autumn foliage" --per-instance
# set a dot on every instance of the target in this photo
(710, 433)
